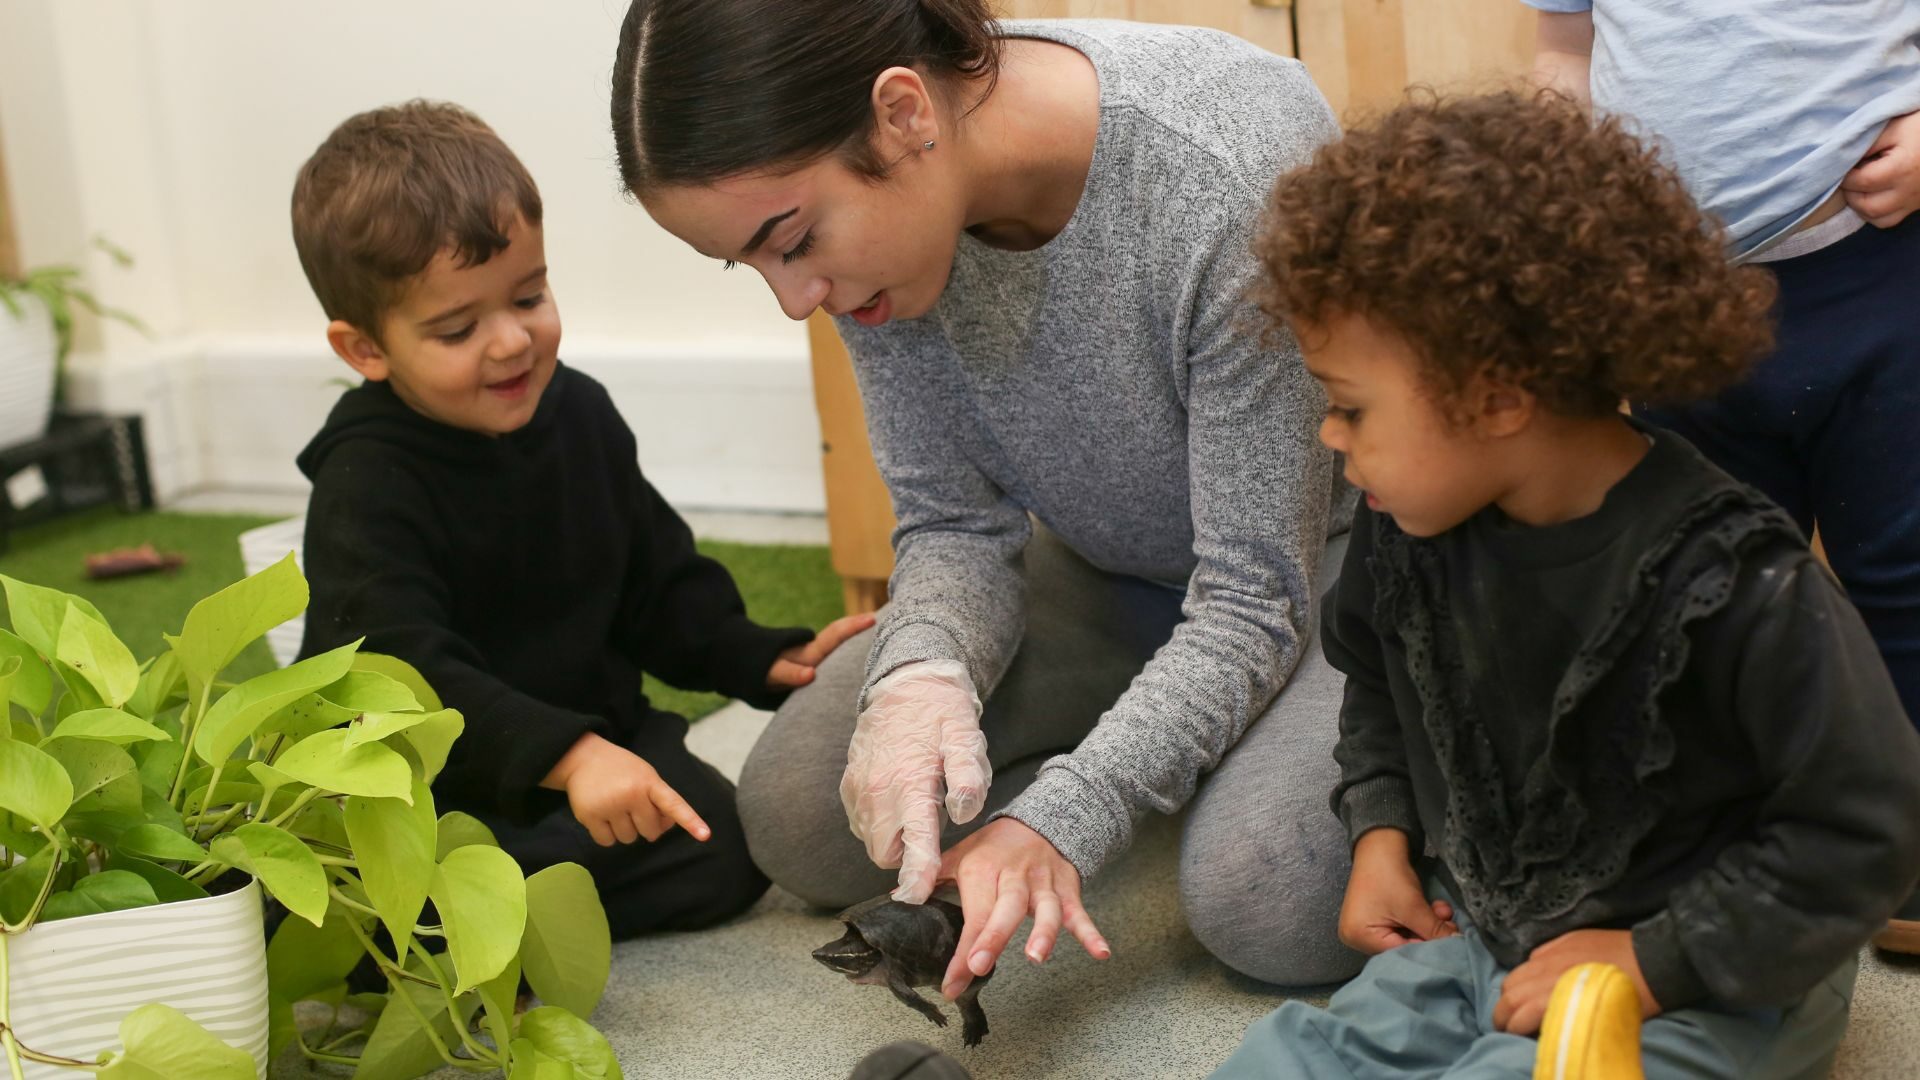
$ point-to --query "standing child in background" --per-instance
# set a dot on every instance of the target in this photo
(1603, 705)
(478, 511)
(1795, 124)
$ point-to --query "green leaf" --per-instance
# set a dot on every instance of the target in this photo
(393, 844)
(161, 812)
(221, 625)
(562, 1035)
(20, 885)
(167, 885)
(284, 864)
(226, 793)
(34, 785)
(33, 683)
(323, 821)
(567, 951)
(433, 737)
(162, 1044)
(498, 996)
(530, 1064)
(9, 668)
(376, 726)
(103, 775)
(457, 830)
(38, 612)
(112, 725)
(240, 711)
(403, 673)
(309, 715)
(482, 900)
(160, 842)
(398, 1049)
(369, 691)
(88, 646)
(324, 761)
(80, 695)
(95, 894)
(162, 684)
(159, 763)
(304, 960)
(25, 732)
(271, 780)
(15, 834)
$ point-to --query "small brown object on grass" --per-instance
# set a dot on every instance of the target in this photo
(124, 562)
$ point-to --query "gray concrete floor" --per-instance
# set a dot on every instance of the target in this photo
(745, 1000)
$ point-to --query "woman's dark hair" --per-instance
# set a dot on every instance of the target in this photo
(705, 89)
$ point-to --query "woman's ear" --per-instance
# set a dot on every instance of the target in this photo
(904, 118)
(360, 351)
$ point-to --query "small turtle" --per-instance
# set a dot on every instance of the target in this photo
(901, 946)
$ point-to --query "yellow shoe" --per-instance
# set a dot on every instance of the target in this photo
(1592, 1028)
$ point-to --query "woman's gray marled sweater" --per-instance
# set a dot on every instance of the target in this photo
(1114, 384)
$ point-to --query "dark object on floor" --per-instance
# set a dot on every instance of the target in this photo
(1902, 934)
(123, 562)
(901, 946)
(908, 1061)
(86, 460)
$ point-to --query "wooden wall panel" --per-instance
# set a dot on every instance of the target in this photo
(1364, 53)
(9, 240)
(859, 511)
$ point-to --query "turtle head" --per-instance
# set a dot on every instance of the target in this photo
(849, 955)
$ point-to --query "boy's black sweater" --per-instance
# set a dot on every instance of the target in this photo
(531, 578)
(1663, 717)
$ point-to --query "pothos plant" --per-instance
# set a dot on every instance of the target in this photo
(127, 784)
(59, 288)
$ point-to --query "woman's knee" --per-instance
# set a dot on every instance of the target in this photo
(1269, 906)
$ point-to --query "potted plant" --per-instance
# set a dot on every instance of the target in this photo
(36, 334)
(143, 807)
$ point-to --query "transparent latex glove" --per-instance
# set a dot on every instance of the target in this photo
(917, 743)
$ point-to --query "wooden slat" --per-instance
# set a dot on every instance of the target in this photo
(1268, 25)
(1364, 53)
(859, 511)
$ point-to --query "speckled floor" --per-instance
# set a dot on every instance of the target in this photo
(747, 1001)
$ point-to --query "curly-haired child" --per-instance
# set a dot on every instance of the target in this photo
(1602, 703)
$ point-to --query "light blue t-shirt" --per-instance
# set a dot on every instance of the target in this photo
(1762, 105)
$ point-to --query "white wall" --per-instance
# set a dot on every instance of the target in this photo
(175, 128)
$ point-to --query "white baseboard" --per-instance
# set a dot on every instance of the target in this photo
(724, 430)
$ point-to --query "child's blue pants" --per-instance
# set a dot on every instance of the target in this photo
(1426, 1010)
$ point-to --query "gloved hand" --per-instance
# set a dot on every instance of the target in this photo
(918, 742)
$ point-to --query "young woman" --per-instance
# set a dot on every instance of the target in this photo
(1035, 240)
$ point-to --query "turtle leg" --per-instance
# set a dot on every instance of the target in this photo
(973, 1019)
(914, 1001)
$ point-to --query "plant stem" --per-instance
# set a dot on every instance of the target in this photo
(299, 804)
(346, 901)
(6, 1015)
(189, 729)
(478, 1050)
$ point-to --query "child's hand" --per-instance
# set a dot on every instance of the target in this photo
(1885, 187)
(618, 796)
(795, 667)
(1524, 996)
(1385, 906)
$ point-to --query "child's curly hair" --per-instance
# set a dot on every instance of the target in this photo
(1509, 235)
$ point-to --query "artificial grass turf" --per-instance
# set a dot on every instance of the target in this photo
(783, 585)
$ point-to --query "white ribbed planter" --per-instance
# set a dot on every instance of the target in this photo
(76, 979)
(26, 371)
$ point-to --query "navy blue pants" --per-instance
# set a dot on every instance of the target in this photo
(1828, 426)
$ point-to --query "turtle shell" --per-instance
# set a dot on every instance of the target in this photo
(919, 938)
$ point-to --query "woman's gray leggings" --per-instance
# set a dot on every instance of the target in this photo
(1263, 860)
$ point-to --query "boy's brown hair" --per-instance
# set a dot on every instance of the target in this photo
(1511, 236)
(393, 187)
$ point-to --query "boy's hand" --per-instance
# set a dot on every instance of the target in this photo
(618, 796)
(1885, 187)
(1385, 906)
(795, 667)
(1528, 988)
(1007, 871)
